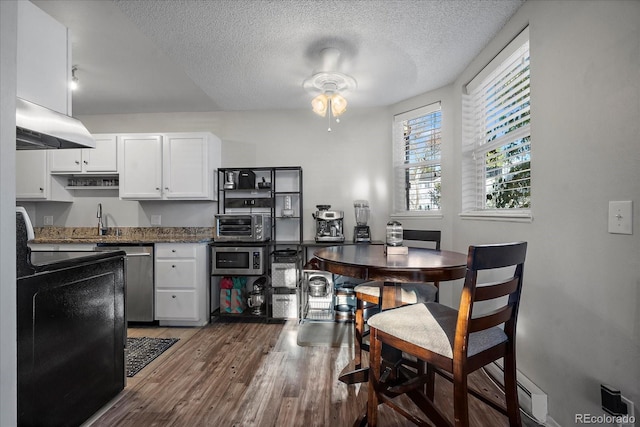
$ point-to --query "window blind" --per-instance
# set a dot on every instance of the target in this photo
(496, 133)
(416, 159)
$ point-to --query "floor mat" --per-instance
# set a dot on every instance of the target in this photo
(325, 334)
(143, 350)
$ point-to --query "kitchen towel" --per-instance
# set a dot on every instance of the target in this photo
(232, 301)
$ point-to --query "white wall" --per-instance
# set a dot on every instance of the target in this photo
(579, 322)
(8, 365)
(349, 163)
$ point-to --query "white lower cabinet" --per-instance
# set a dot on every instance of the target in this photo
(181, 285)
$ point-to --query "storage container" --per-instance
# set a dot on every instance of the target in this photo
(284, 275)
(285, 306)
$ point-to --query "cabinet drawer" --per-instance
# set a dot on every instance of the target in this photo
(176, 273)
(176, 304)
(175, 251)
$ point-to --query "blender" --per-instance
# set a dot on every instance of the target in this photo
(361, 232)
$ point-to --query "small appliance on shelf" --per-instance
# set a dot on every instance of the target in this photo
(361, 232)
(394, 244)
(329, 224)
(229, 180)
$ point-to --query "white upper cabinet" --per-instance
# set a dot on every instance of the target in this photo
(188, 165)
(43, 59)
(100, 160)
(176, 166)
(140, 166)
(33, 180)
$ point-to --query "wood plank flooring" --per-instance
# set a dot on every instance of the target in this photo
(254, 374)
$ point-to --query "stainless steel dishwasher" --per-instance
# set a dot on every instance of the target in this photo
(139, 299)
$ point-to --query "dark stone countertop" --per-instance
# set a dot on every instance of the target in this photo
(122, 235)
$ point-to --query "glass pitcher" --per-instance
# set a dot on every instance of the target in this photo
(394, 233)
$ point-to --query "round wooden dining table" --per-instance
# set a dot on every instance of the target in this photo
(371, 262)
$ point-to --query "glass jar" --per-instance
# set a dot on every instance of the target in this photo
(394, 233)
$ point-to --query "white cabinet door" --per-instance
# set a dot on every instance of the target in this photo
(67, 161)
(103, 158)
(33, 180)
(140, 166)
(31, 174)
(43, 59)
(186, 167)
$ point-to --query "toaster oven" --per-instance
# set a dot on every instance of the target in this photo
(242, 227)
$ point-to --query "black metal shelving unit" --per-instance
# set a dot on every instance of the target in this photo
(287, 226)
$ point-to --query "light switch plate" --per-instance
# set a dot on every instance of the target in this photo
(48, 220)
(156, 219)
(621, 217)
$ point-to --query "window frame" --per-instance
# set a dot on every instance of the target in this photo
(475, 144)
(400, 166)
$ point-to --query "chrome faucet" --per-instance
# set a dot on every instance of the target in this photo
(102, 230)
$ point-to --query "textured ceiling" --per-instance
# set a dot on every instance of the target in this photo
(185, 55)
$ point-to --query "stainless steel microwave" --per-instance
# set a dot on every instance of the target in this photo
(238, 260)
(242, 227)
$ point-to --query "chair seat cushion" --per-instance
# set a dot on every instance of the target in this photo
(411, 293)
(432, 326)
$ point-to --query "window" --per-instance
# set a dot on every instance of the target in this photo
(497, 134)
(416, 160)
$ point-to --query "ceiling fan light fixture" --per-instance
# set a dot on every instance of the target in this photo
(338, 104)
(319, 104)
(329, 87)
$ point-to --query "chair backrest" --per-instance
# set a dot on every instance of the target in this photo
(422, 236)
(491, 257)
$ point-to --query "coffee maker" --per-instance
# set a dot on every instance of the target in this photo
(328, 224)
(361, 232)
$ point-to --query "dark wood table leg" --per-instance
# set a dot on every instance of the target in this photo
(391, 298)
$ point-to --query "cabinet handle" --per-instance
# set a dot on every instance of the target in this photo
(158, 188)
(41, 189)
(173, 296)
(85, 162)
(77, 162)
(173, 250)
(173, 266)
(166, 188)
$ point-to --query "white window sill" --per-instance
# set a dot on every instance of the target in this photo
(521, 216)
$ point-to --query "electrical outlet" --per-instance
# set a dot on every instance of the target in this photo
(156, 219)
(48, 220)
(631, 411)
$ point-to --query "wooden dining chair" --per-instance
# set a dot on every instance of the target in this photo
(369, 294)
(456, 342)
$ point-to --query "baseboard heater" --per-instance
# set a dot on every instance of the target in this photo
(532, 400)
